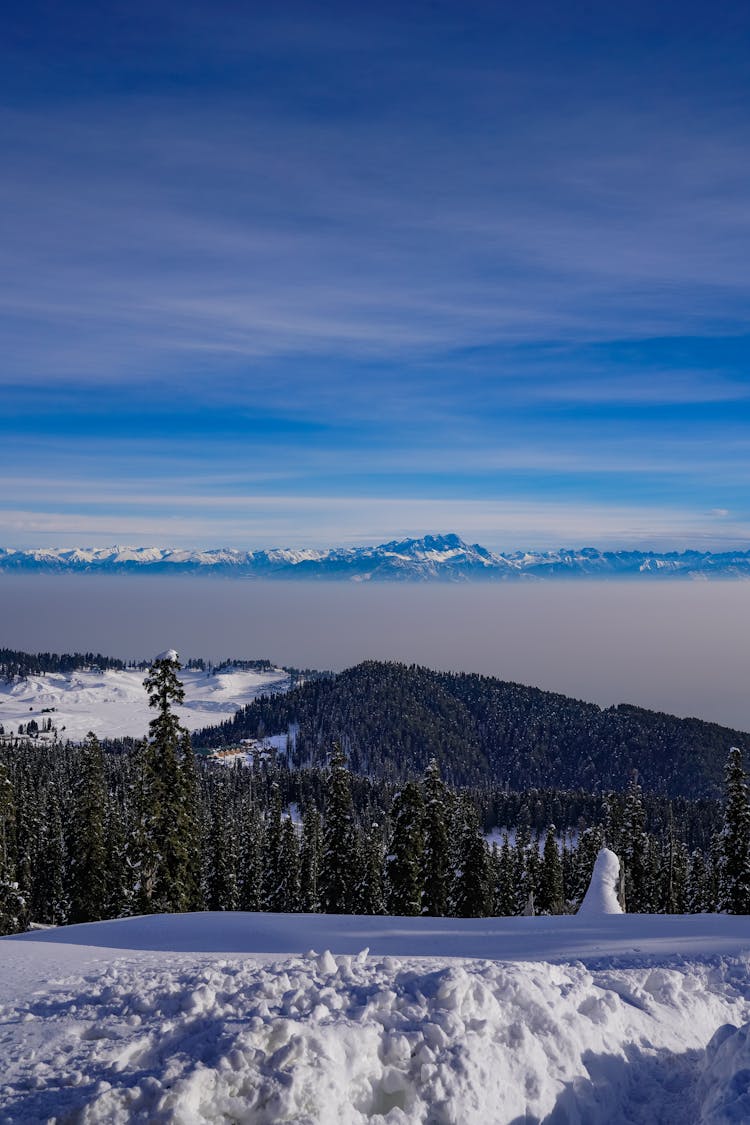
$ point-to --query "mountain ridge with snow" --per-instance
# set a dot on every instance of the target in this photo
(429, 558)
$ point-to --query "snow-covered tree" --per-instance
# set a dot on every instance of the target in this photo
(734, 859)
(634, 852)
(168, 831)
(221, 875)
(505, 892)
(310, 861)
(13, 912)
(550, 898)
(50, 893)
(370, 891)
(288, 890)
(436, 853)
(338, 838)
(88, 845)
(472, 889)
(405, 848)
(252, 850)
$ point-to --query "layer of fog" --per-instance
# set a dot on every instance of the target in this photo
(679, 647)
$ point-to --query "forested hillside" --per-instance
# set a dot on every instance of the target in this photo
(15, 663)
(392, 718)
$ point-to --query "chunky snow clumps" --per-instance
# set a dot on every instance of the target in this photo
(324, 1040)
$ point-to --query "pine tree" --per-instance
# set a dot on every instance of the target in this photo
(89, 858)
(436, 856)
(221, 880)
(338, 838)
(50, 901)
(634, 852)
(310, 861)
(167, 862)
(734, 858)
(191, 817)
(117, 880)
(525, 861)
(288, 890)
(551, 896)
(272, 853)
(13, 913)
(472, 892)
(699, 897)
(403, 865)
(505, 895)
(251, 862)
(370, 893)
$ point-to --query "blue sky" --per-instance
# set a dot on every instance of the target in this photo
(333, 273)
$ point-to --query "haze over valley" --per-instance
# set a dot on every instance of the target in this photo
(683, 648)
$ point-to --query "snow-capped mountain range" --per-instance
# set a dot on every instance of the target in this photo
(432, 557)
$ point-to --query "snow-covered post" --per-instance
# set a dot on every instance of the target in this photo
(601, 897)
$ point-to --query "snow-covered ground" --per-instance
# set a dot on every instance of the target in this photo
(114, 703)
(225, 1018)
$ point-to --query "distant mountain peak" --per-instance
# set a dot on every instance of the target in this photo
(432, 557)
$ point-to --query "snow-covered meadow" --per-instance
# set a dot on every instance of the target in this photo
(249, 1018)
(114, 704)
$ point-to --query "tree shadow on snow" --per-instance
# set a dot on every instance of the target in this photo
(644, 1088)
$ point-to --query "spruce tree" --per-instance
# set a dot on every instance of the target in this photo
(472, 892)
(338, 838)
(525, 858)
(403, 865)
(13, 912)
(505, 892)
(221, 879)
(50, 898)
(252, 850)
(734, 858)
(288, 890)
(634, 853)
(88, 850)
(436, 856)
(272, 894)
(699, 897)
(167, 862)
(117, 880)
(551, 896)
(370, 893)
(310, 861)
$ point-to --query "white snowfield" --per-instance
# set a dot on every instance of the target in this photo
(588, 1020)
(114, 703)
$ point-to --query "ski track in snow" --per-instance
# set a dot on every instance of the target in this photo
(114, 703)
(651, 1038)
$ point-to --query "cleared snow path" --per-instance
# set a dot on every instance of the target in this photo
(183, 1032)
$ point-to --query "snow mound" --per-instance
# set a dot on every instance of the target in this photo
(344, 1040)
(601, 897)
(725, 1082)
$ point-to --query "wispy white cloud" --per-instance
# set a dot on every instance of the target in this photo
(263, 521)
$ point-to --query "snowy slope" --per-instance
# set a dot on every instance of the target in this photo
(114, 703)
(189, 1019)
